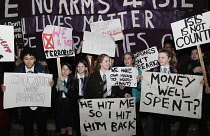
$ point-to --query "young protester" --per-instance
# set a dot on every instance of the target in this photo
(4, 114)
(96, 86)
(129, 60)
(31, 114)
(66, 98)
(167, 64)
(90, 58)
(193, 68)
(81, 76)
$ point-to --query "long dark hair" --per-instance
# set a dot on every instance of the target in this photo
(70, 68)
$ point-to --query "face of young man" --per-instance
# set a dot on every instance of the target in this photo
(29, 61)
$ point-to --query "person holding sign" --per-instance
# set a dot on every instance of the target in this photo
(31, 114)
(88, 57)
(97, 86)
(129, 60)
(167, 61)
(81, 76)
(66, 99)
(193, 68)
(4, 114)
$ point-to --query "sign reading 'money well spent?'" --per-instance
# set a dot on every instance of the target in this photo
(122, 75)
(57, 42)
(95, 43)
(146, 59)
(191, 31)
(111, 27)
(108, 117)
(171, 94)
(7, 43)
(23, 89)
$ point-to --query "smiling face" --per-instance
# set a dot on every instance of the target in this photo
(105, 64)
(29, 61)
(163, 59)
(65, 71)
(81, 68)
(128, 60)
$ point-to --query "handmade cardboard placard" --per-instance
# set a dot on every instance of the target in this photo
(7, 53)
(171, 94)
(108, 117)
(57, 42)
(33, 90)
(111, 27)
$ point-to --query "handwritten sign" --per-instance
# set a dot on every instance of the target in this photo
(23, 89)
(7, 43)
(172, 94)
(108, 117)
(146, 59)
(57, 42)
(111, 27)
(122, 75)
(95, 43)
(191, 31)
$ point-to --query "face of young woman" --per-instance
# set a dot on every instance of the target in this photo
(65, 71)
(29, 61)
(163, 59)
(194, 55)
(128, 61)
(105, 64)
(81, 68)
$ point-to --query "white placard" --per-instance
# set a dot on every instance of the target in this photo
(24, 89)
(146, 59)
(95, 43)
(57, 42)
(191, 31)
(122, 75)
(111, 27)
(7, 53)
(172, 94)
(108, 117)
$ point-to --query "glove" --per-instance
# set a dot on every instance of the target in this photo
(60, 86)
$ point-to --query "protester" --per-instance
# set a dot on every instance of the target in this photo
(31, 114)
(66, 89)
(193, 67)
(97, 86)
(4, 114)
(129, 60)
(167, 63)
(90, 58)
(81, 76)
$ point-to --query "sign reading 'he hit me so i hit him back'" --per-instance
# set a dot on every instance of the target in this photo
(108, 117)
(171, 94)
(192, 31)
(25, 89)
(57, 42)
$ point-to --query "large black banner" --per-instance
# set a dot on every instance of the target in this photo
(145, 23)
